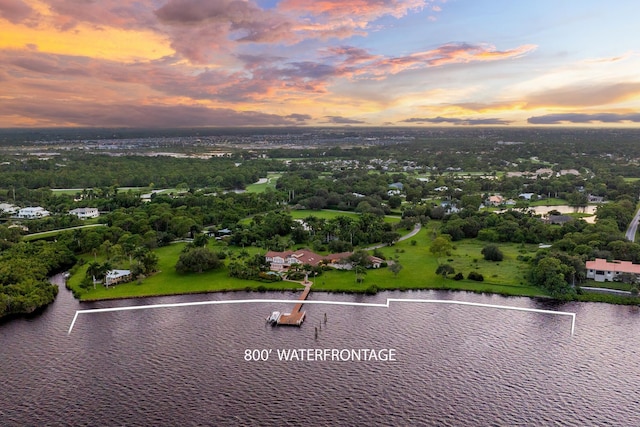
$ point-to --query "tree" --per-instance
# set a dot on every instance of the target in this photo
(395, 268)
(549, 274)
(390, 237)
(444, 270)
(201, 240)
(360, 272)
(441, 246)
(360, 258)
(492, 253)
(197, 260)
(395, 202)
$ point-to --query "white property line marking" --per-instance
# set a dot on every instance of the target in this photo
(355, 304)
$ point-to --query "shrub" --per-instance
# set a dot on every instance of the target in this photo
(371, 290)
(458, 276)
(492, 253)
(475, 276)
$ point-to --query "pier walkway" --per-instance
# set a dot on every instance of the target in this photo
(296, 317)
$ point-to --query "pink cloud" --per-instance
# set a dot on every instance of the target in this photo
(444, 55)
(115, 13)
(343, 18)
(16, 11)
(49, 112)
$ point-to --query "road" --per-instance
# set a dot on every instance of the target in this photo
(605, 290)
(59, 230)
(416, 230)
(633, 227)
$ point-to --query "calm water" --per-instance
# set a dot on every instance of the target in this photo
(456, 366)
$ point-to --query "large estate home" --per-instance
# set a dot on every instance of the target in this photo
(282, 261)
(85, 213)
(32, 212)
(602, 270)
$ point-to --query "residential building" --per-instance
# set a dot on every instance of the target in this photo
(8, 208)
(113, 277)
(495, 200)
(282, 261)
(33, 212)
(85, 213)
(602, 270)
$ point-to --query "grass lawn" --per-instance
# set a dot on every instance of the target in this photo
(419, 267)
(272, 179)
(418, 272)
(168, 282)
(330, 214)
(549, 202)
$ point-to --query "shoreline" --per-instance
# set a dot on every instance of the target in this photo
(585, 297)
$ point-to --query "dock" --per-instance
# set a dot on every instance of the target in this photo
(296, 317)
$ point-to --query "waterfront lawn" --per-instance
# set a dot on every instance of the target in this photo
(169, 282)
(419, 266)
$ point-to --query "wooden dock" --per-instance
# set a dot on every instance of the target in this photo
(296, 317)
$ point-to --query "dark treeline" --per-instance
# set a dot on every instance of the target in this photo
(24, 272)
(81, 170)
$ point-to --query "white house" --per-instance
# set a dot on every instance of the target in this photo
(85, 213)
(601, 270)
(8, 208)
(33, 212)
(113, 277)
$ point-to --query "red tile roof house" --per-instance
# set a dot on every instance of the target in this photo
(601, 270)
(281, 261)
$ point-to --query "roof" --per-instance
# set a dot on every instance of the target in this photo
(113, 274)
(616, 266)
(306, 256)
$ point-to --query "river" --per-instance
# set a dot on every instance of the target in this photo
(454, 365)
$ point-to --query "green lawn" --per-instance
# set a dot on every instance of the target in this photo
(549, 202)
(419, 266)
(168, 282)
(272, 179)
(330, 214)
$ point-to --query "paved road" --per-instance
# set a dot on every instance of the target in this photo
(42, 233)
(633, 227)
(416, 230)
(605, 290)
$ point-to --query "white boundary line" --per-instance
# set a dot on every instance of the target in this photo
(355, 304)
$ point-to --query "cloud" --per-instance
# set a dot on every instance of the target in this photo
(371, 9)
(456, 121)
(360, 64)
(342, 120)
(584, 96)
(554, 119)
(16, 11)
(53, 113)
(299, 117)
(103, 13)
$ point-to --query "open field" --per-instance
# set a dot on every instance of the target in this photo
(418, 272)
(329, 214)
(263, 184)
(168, 282)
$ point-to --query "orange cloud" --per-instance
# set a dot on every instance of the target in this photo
(585, 96)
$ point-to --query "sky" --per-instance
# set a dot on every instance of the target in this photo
(192, 63)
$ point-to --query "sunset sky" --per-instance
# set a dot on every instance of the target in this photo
(166, 63)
